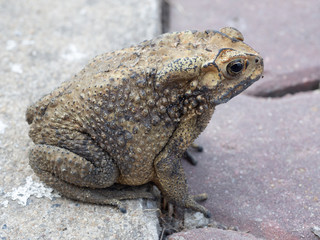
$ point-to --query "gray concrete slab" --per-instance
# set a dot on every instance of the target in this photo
(43, 44)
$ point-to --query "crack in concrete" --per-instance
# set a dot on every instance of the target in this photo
(276, 86)
(300, 87)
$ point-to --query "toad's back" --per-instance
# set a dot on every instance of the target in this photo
(112, 105)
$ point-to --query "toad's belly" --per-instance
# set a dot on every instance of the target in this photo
(136, 162)
(140, 175)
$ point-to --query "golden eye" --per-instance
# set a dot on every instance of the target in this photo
(235, 67)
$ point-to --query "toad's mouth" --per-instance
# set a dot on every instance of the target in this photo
(237, 89)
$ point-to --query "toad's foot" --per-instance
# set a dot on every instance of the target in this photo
(187, 155)
(106, 196)
(200, 197)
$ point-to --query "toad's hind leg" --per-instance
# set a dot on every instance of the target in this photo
(78, 179)
(73, 168)
(74, 192)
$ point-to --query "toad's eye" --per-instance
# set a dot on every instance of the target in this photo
(235, 67)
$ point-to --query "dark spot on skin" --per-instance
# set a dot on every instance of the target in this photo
(133, 76)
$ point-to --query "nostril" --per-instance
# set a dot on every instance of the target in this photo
(259, 61)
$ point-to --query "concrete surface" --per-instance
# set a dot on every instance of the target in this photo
(42, 44)
(261, 164)
(211, 233)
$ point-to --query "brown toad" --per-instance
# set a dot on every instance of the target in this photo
(129, 115)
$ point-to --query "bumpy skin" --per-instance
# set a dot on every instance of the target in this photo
(129, 115)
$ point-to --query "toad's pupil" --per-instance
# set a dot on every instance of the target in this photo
(236, 67)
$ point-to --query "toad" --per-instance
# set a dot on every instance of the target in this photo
(128, 117)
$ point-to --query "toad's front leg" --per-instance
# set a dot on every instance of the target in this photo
(172, 183)
(170, 177)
